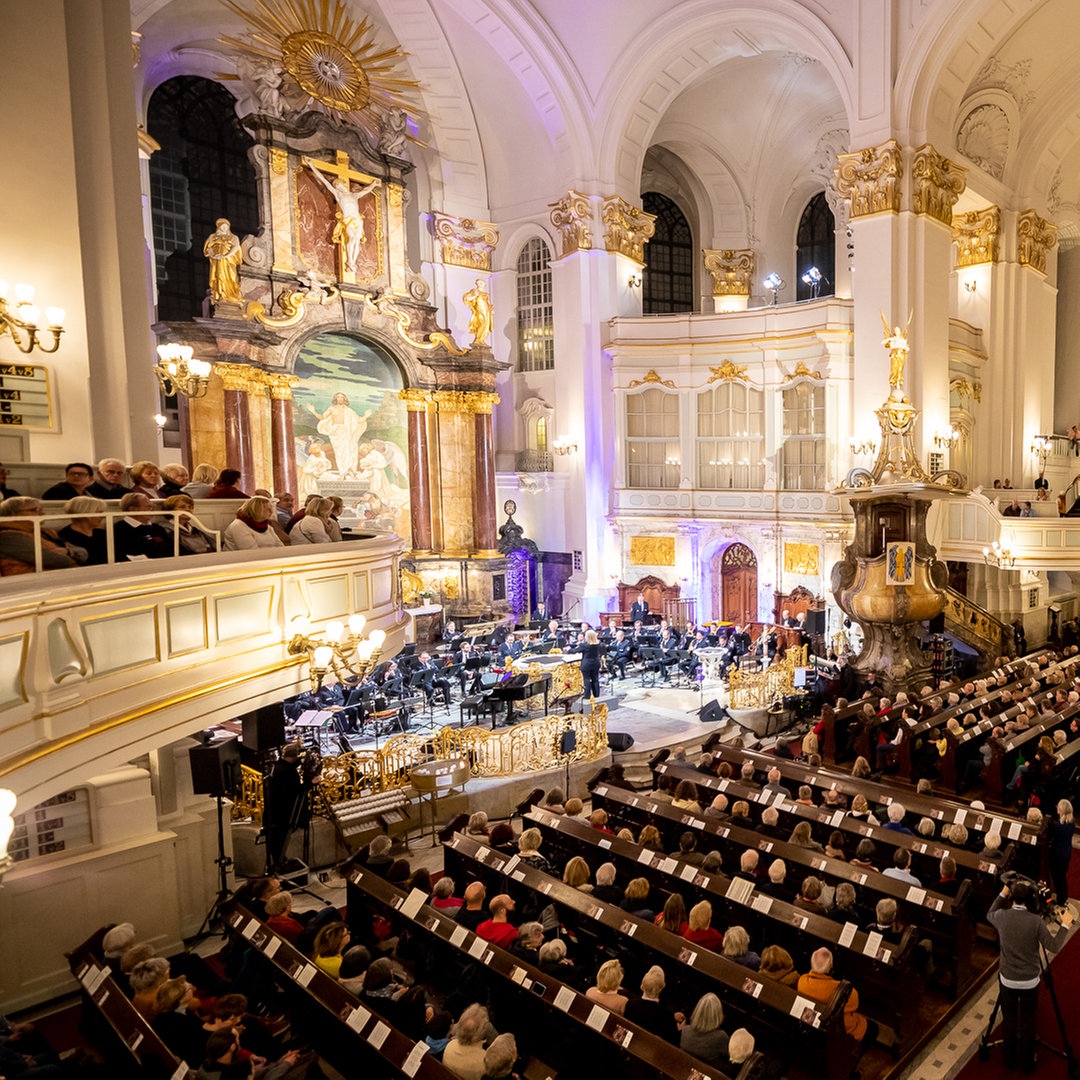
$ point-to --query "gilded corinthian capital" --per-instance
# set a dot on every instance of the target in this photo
(1035, 236)
(938, 183)
(239, 377)
(629, 228)
(570, 215)
(465, 242)
(976, 237)
(281, 385)
(732, 270)
(415, 400)
(870, 179)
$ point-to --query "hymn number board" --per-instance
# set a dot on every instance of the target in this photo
(62, 823)
(24, 396)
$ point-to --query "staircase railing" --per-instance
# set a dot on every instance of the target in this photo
(975, 625)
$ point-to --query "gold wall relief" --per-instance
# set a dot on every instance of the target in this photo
(652, 550)
(650, 376)
(732, 270)
(394, 196)
(279, 160)
(938, 183)
(976, 236)
(465, 242)
(570, 215)
(1035, 237)
(870, 179)
(803, 372)
(728, 371)
(629, 228)
(801, 559)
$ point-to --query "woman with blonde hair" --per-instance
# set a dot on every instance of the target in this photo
(737, 948)
(1061, 832)
(608, 983)
(312, 527)
(650, 838)
(590, 665)
(202, 480)
(330, 943)
(700, 930)
(195, 538)
(529, 850)
(251, 528)
(145, 478)
(802, 837)
(87, 528)
(576, 874)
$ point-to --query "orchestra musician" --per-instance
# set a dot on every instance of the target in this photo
(510, 649)
(541, 614)
(620, 653)
(551, 635)
(437, 682)
(786, 619)
(669, 646)
(639, 609)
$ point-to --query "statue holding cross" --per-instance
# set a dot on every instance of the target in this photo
(349, 233)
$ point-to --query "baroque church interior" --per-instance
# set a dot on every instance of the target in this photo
(567, 302)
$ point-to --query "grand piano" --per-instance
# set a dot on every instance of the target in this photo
(519, 688)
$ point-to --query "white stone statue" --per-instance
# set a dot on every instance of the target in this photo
(349, 232)
(393, 131)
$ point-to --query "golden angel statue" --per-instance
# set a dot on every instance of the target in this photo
(896, 341)
(349, 233)
(222, 248)
(482, 320)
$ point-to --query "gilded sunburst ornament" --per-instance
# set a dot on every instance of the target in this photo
(332, 59)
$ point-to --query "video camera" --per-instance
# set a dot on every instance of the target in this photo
(1040, 898)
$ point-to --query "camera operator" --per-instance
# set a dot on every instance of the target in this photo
(291, 779)
(1020, 934)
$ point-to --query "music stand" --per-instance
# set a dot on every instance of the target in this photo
(314, 723)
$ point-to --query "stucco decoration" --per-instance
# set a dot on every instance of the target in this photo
(983, 138)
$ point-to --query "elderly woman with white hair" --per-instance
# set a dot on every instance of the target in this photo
(529, 850)
(464, 1053)
(702, 1035)
(86, 530)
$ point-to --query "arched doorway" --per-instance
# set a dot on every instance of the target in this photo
(734, 584)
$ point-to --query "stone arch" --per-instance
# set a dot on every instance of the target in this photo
(639, 89)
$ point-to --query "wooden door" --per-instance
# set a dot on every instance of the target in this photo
(735, 585)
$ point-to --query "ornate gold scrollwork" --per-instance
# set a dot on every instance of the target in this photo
(1035, 237)
(732, 270)
(291, 304)
(976, 236)
(570, 215)
(628, 228)
(938, 183)
(386, 307)
(758, 690)
(238, 377)
(465, 242)
(281, 385)
(728, 371)
(464, 401)
(803, 372)
(415, 400)
(652, 550)
(870, 179)
(651, 377)
(279, 160)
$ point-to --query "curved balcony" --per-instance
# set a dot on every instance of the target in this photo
(101, 664)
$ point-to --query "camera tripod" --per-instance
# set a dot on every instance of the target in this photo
(1065, 1052)
(224, 864)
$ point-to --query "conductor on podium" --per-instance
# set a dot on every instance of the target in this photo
(639, 609)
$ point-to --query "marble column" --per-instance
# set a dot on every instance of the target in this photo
(282, 440)
(484, 531)
(416, 403)
(236, 378)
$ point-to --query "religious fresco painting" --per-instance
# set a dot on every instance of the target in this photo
(352, 431)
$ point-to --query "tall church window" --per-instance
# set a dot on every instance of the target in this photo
(652, 440)
(803, 452)
(669, 276)
(201, 173)
(816, 246)
(536, 334)
(731, 437)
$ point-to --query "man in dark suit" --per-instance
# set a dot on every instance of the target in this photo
(739, 643)
(786, 619)
(639, 609)
(434, 682)
(619, 654)
(669, 646)
(649, 1012)
(286, 803)
(551, 635)
(510, 649)
(541, 614)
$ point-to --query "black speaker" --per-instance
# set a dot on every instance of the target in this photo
(713, 713)
(568, 742)
(815, 622)
(215, 769)
(264, 728)
(620, 741)
(937, 624)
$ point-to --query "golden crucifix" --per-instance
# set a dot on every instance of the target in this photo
(349, 233)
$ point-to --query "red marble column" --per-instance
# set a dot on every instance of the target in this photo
(419, 470)
(238, 450)
(282, 439)
(484, 530)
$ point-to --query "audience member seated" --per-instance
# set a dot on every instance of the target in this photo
(497, 929)
(202, 481)
(312, 527)
(175, 1022)
(86, 530)
(109, 479)
(464, 1053)
(608, 983)
(688, 852)
(251, 527)
(225, 486)
(809, 898)
(686, 798)
(285, 504)
(400, 1005)
(776, 964)
(553, 801)
(650, 838)
(649, 1012)
(330, 942)
(554, 961)
(478, 824)
(737, 948)
(173, 479)
(279, 917)
(802, 837)
(895, 823)
(138, 536)
(528, 941)
(379, 859)
(471, 913)
(145, 979)
(777, 876)
(819, 985)
(576, 874)
(700, 931)
(443, 896)
(605, 888)
(194, 540)
(145, 478)
(17, 540)
(702, 1035)
(673, 917)
(77, 478)
(901, 868)
(500, 1056)
(5, 491)
(635, 899)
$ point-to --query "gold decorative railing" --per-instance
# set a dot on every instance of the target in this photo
(759, 689)
(538, 744)
(975, 625)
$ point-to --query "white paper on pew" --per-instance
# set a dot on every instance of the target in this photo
(236, 918)
(697, 823)
(600, 789)
(272, 947)
(98, 979)
(961, 817)
(812, 780)
(687, 872)
(873, 943)
(181, 1071)
(800, 1005)
(626, 1036)
(995, 827)
(89, 975)
(377, 1035)
(1015, 829)
(410, 1065)
(564, 998)
(511, 863)
(518, 875)
(545, 887)
(458, 936)
(136, 1042)
(762, 796)
(723, 785)
(635, 802)
(915, 895)
(307, 973)
(762, 903)
(518, 975)
(413, 903)
(739, 890)
(357, 1018)
(645, 856)
(482, 853)
(104, 997)
(250, 928)
(837, 818)
(847, 935)
(668, 866)
(477, 947)
(605, 844)
(767, 846)
(597, 1017)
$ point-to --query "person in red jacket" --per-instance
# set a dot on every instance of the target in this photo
(700, 931)
(497, 929)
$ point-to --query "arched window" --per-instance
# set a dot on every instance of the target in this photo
(803, 452)
(669, 275)
(536, 325)
(731, 437)
(652, 440)
(816, 246)
(201, 173)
